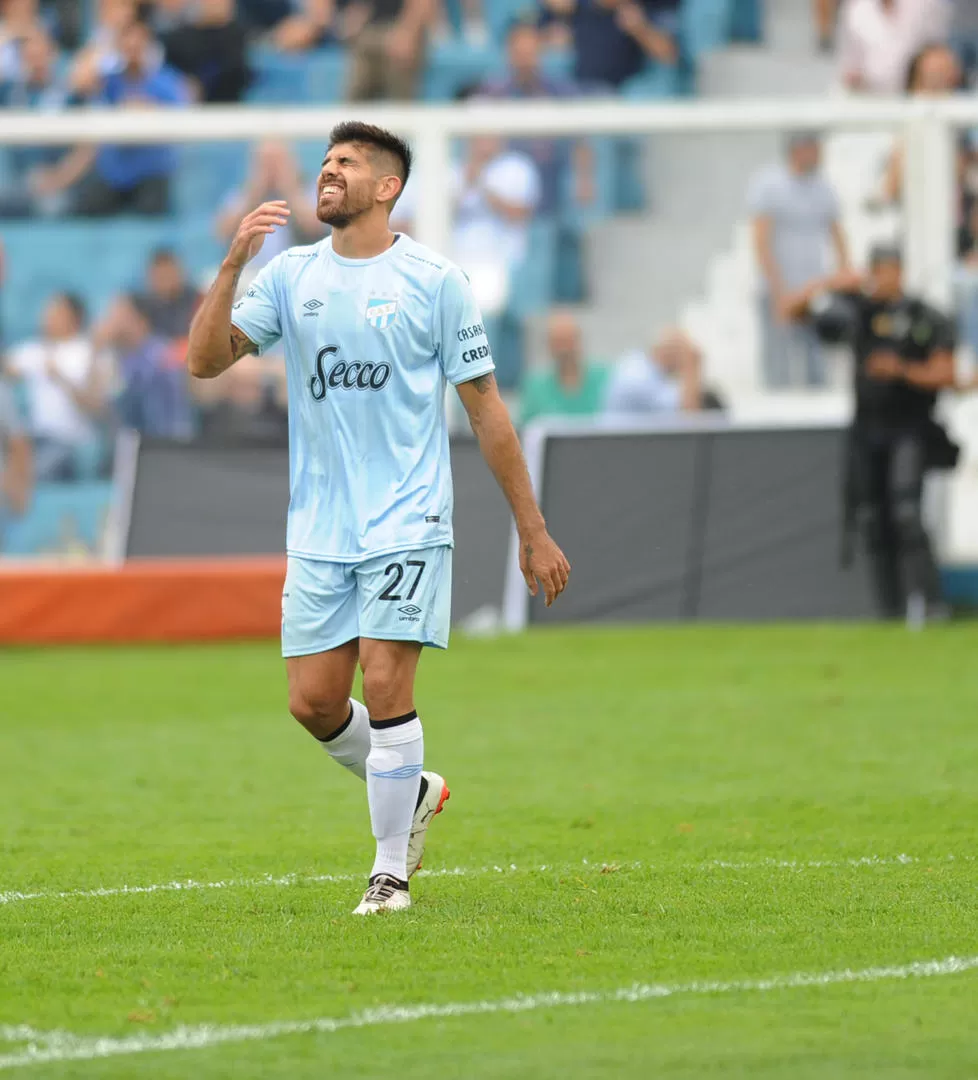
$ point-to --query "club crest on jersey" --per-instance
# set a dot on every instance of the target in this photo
(381, 313)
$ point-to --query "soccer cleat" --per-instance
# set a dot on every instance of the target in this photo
(432, 797)
(384, 893)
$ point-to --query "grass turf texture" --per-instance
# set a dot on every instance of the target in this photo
(670, 747)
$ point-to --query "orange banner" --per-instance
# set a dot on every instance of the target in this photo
(145, 600)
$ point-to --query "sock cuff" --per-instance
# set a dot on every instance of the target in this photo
(406, 730)
(341, 730)
(358, 714)
(383, 725)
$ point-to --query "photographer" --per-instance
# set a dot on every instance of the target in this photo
(903, 353)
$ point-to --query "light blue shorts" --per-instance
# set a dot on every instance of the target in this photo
(401, 597)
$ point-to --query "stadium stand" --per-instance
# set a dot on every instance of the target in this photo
(205, 172)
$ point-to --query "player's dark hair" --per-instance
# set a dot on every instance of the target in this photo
(354, 131)
(162, 254)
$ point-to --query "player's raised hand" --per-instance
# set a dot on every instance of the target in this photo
(252, 231)
(540, 558)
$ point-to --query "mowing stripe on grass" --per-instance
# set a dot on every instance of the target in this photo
(60, 1046)
(585, 865)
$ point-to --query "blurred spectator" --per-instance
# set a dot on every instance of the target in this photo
(19, 19)
(825, 12)
(168, 15)
(65, 390)
(473, 23)
(32, 183)
(296, 25)
(878, 39)
(15, 462)
(249, 405)
(496, 194)
(272, 174)
(935, 70)
(664, 379)
(796, 225)
(614, 39)
(264, 15)
(101, 54)
(212, 51)
(571, 385)
(130, 179)
(387, 44)
(169, 300)
(525, 79)
(153, 399)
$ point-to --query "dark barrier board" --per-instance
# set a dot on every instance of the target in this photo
(202, 501)
(772, 530)
(622, 509)
(721, 524)
(659, 525)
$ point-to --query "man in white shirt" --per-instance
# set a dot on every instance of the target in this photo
(273, 173)
(797, 234)
(663, 380)
(497, 192)
(65, 391)
(878, 38)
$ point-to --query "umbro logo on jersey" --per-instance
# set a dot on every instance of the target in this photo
(381, 313)
(312, 307)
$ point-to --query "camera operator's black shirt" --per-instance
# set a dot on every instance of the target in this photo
(914, 331)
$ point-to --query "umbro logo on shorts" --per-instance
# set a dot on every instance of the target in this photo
(410, 612)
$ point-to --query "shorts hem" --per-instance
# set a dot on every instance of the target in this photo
(426, 641)
(312, 650)
(357, 560)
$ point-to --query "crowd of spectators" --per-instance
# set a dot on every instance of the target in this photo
(663, 382)
(82, 374)
(882, 47)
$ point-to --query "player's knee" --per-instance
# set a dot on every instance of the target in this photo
(385, 691)
(318, 711)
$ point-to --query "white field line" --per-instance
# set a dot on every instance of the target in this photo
(60, 1046)
(288, 880)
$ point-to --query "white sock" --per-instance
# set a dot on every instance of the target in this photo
(393, 780)
(351, 744)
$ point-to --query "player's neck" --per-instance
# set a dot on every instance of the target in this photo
(362, 240)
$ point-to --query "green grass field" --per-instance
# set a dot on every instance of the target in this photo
(693, 810)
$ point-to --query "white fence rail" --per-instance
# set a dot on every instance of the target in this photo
(928, 126)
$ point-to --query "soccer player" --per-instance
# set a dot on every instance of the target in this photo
(374, 325)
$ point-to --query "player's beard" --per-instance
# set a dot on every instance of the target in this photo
(342, 214)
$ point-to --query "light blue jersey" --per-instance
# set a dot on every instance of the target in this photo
(369, 347)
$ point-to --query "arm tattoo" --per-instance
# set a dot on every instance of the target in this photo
(241, 344)
(484, 383)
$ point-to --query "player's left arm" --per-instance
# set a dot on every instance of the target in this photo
(540, 558)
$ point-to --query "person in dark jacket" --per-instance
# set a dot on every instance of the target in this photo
(903, 353)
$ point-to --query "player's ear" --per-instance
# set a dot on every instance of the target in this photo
(389, 188)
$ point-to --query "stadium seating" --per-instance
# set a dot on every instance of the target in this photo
(44, 256)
